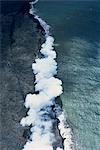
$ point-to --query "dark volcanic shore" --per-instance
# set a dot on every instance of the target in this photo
(18, 50)
(21, 39)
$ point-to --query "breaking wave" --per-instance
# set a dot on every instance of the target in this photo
(43, 108)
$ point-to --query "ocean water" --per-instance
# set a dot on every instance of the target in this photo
(76, 28)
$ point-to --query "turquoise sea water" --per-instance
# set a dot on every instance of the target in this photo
(76, 28)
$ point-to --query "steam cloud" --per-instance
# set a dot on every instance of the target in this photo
(48, 88)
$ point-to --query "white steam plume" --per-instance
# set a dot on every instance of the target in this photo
(48, 88)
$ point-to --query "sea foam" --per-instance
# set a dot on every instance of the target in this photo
(48, 88)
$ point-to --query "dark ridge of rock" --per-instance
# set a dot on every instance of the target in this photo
(8, 12)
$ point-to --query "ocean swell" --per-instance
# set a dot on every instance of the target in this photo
(44, 109)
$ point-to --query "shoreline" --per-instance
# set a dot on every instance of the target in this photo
(52, 112)
(59, 140)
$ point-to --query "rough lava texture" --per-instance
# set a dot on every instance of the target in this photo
(21, 38)
(18, 49)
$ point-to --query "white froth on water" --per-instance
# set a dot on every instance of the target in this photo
(48, 88)
(65, 132)
(44, 25)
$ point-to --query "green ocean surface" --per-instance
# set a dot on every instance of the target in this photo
(76, 29)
